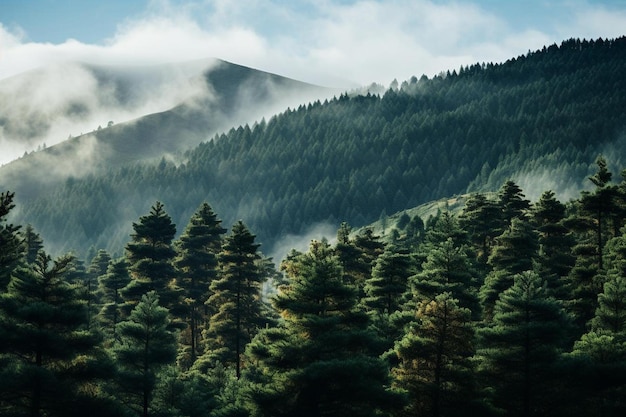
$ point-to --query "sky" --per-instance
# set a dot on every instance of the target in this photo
(337, 43)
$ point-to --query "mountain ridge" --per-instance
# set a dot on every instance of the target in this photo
(358, 157)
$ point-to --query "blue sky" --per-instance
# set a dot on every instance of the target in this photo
(325, 41)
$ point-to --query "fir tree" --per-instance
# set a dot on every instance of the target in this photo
(110, 286)
(519, 349)
(146, 346)
(150, 255)
(434, 356)
(46, 356)
(11, 251)
(236, 299)
(323, 361)
(197, 262)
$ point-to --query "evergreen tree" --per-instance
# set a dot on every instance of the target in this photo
(322, 361)
(236, 299)
(150, 255)
(10, 246)
(33, 243)
(600, 206)
(519, 349)
(514, 252)
(447, 269)
(434, 355)
(480, 218)
(513, 203)
(385, 289)
(555, 243)
(110, 286)
(146, 346)
(98, 267)
(197, 262)
(47, 359)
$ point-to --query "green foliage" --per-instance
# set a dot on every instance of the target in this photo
(149, 256)
(435, 366)
(48, 360)
(10, 248)
(323, 360)
(236, 300)
(353, 157)
(197, 264)
(146, 346)
(519, 349)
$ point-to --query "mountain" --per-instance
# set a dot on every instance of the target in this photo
(164, 109)
(540, 119)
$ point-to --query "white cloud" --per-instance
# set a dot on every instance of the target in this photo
(361, 41)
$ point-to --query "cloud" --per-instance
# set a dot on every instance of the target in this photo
(301, 242)
(329, 42)
(358, 41)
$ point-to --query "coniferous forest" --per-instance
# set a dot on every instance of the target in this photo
(510, 306)
(540, 119)
(505, 308)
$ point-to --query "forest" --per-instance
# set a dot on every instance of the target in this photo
(507, 308)
(540, 119)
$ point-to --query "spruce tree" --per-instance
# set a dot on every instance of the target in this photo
(146, 346)
(197, 263)
(514, 252)
(236, 300)
(33, 243)
(556, 241)
(11, 251)
(98, 267)
(386, 288)
(47, 358)
(150, 255)
(110, 286)
(323, 360)
(481, 219)
(519, 349)
(435, 366)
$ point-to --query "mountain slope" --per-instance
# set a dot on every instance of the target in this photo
(358, 158)
(200, 99)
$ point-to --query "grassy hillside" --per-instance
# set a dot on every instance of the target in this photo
(540, 119)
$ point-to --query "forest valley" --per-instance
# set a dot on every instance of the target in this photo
(505, 308)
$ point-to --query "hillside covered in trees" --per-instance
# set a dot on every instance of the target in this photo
(509, 308)
(540, 119)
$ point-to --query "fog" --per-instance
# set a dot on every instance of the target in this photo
(301, 242)
(49, 105)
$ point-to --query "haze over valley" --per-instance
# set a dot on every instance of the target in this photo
(333, 208)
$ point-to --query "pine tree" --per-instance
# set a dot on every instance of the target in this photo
(434, 356)
(514, 252)
(197, 262)
(555, 259)
(47, 359)
(386, 288)
(33, 243)
(110, 286)
(323, 361)
(481, 219)
(97, 268)
(11, 251)
(150, 255)
(513, 203)
(146, 346)
(236, 299)
(519, 349)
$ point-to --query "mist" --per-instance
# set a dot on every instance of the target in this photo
(51, 104)
(301, 242)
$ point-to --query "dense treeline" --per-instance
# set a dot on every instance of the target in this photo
(508, 308)
(541, 119)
